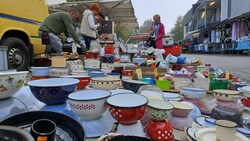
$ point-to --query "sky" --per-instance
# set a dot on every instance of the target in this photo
(169, 10)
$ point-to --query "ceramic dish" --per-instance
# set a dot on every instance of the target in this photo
(209, 134)
(244, 131)
(203, 121)
(190, 133)
(9, 133)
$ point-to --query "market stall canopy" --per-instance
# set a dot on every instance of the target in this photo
(119, 11)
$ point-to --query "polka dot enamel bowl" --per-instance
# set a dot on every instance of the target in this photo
(89, 104)
(127, 108)
(53, 90)
(159, 130)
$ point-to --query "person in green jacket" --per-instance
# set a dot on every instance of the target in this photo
(54, 25)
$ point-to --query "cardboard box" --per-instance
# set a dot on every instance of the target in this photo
(58, 61)
(108, 37)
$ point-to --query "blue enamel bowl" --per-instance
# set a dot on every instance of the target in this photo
(53, 90)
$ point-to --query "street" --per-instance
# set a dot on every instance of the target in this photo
(238, 65)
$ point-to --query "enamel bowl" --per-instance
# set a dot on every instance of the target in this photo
(181, 109)
(226, 95)
(159, 109)
(11, 82)
(127, 108)
(84, 80)
(120, 91)
(53, 90)
(245, 90)
(160, 130)
(133, 85)
(105, 83)
(180, 123)
(88, 104)
(193, 93)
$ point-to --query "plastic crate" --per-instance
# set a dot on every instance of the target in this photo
(174, 50)
(3, 58)
(218, 84)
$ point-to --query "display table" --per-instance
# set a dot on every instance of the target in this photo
(95, 128)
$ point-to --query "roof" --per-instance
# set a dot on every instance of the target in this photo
(119, 11)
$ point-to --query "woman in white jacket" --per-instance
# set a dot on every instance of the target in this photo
(88, 24)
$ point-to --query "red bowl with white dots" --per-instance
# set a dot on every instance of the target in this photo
(88, 104)
(127, 108)
(159, 130)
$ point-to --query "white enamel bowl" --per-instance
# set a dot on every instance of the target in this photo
(88, 104)
(105, 83)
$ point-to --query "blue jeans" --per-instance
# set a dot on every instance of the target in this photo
(88, 40)
(55, 43)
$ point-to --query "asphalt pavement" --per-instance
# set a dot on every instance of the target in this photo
(238, 65)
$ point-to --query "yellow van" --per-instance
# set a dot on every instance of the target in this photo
(19, 23)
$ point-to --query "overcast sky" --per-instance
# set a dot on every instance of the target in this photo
(169, 10)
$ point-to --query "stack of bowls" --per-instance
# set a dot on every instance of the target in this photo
(159, 111)
(180, 118)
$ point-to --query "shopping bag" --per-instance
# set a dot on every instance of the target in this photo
(149, 42)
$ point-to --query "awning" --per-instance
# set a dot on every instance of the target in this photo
(119, 11)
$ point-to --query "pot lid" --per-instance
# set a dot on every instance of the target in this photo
(160, 104)
(230, 92)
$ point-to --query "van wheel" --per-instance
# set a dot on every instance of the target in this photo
(18, 53)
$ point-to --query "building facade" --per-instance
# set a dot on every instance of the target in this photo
(222, 24)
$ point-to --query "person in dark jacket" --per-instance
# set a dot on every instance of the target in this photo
(57, 23)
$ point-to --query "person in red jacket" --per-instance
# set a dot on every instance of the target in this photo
(157, 32)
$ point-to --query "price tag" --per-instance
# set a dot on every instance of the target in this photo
(139, 73)
(156, 74)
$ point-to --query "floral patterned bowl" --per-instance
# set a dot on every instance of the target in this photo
(11, 82)
(159, 109)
